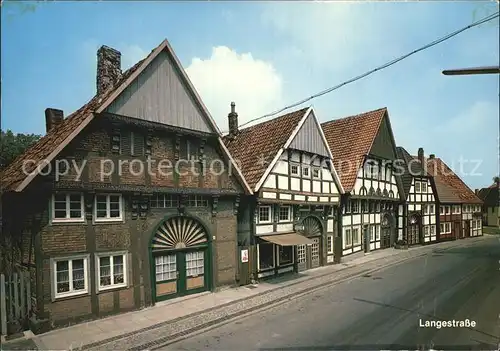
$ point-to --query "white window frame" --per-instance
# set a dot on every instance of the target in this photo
(433, 230)
(358, 241)
(270, 209)
(108, 209)
(306, 169)
(297, 168)
(474, 226)
(290, 216)
(447, 210)
(98, 257)
(426, 230)
(274, 256)
(417, 188)
(346, 231)
(53, 275)
(329, 245)
(431, 210)
(426, 209)
(68, 219)
(447, 227)
(423, 187)
(441, 210)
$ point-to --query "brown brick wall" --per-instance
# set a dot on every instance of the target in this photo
(126, 298)
(60, 238)
(106, 301)
(69, 308)
(111, 236)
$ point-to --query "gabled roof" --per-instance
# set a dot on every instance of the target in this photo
(350, 140)
(490, 195)
(16, 178)
(411, 168)
(257, 148)
(450, 188)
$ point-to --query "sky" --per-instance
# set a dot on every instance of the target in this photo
(267, 55)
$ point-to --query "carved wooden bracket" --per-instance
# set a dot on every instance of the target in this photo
(215, 201)
(177, 147)
(149, 142)
(144, 206)
(236, 204)
(134, 206)
(89, 205)
(115, 141)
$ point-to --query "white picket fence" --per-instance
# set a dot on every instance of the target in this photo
(15, 299)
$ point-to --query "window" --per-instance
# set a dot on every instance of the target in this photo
(266, 256)
(426, 230)
(391, 193)
(456, 209)
(377, 232)
(425, 209)
(348, 238)
(441, 227)
(329, 244)
(417, 187)
(294, 169)
(441, 210)
(371, 206)
(364, 206)
(305, 171)
(354, 206)
(363, 191)
(424, 187)
(164, 201)
(70, 276)
(447, 227)
(285, 214)
(315, 173)
(285, 255)
(264, 214)
(108, 207)
(191, 150)
(355, 236)
(136, 144)
(433, 230)
(197, 201)
(474, 224)
(372, 232)
(112, 271)
(377, 207)
(431, 209)
(447, 209)
(347, 208)
(67, 208)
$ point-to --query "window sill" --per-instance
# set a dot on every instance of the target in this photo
(108, 220)
(111, 288)
(70, 295)
(68, 221)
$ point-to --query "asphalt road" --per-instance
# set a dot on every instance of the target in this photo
(382, 311)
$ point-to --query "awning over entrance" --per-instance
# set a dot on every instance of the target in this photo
(289, 239)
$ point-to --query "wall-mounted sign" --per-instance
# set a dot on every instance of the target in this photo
(244, 256)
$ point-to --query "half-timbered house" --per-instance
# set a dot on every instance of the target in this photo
(417, 221)
(292, 218)
(130, 200)
(364, 154)
(491, 206)
(459, 207)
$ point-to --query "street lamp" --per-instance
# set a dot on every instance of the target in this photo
(472, 71)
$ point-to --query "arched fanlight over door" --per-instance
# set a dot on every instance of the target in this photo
(385, 221)
(179, 233)
(413, 219)
(312, 227)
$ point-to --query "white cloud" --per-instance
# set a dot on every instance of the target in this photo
(131, 54)
(226, 76)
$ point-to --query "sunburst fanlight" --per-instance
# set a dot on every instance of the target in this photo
(413, 220)
(311, 226)
(178, 233)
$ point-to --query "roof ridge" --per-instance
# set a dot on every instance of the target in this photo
(359, 115)
(288, 114)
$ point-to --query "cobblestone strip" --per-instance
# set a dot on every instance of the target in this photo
(160, 334)
(156, 336)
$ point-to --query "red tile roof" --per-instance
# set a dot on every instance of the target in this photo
(449, 186)
(350, 140)
(254, 148)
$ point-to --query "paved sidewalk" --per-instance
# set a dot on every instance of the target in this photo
(168, 320)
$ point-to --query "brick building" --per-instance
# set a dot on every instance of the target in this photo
(130, 200)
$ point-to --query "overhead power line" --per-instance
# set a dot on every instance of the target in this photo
(390, 63)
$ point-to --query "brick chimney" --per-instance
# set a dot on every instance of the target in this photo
(476, 191)
(233, 121)
(432, 156)
(109, 68)
(53, 118)
(421, 155)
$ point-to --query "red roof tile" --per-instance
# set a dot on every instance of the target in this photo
(350, 139)
(449, 186)
(255, 147)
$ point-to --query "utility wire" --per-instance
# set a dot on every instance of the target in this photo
(435, 42)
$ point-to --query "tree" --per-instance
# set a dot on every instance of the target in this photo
(13, 145)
